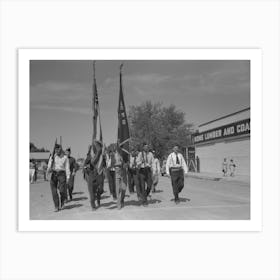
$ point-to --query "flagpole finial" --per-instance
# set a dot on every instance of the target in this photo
(121, 67)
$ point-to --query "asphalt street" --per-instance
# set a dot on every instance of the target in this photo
(201, 199)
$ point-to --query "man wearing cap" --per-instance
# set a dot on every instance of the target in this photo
(73, 168)
(175, 168)
(58, 166)
(144, 163)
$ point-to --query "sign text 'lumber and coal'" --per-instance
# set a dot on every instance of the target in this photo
(230, 130)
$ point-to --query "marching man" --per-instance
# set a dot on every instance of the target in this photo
(175, 168)
(58, 166)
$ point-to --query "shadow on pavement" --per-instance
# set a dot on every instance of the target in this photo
(158, 191)
(79, 198)
(108, 204)
(68, 207)
(182, 199)
(77, 193)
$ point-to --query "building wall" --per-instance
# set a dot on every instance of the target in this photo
(234, 118)
(211, 155)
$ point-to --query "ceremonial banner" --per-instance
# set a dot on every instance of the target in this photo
(123, 130)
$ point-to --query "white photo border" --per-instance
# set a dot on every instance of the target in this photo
(24, 57)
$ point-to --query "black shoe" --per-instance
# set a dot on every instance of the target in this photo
(98, 202)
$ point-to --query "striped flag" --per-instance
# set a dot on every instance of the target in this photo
(97, 129)
(123, 130)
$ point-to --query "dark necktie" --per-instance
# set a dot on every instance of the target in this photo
(177, 159)
(134, 162)
(113, 160)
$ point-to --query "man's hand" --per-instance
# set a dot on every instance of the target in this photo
(67, 181)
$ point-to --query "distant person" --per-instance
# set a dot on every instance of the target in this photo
(110, 164)
(36, 171)
(144, 163)
(225, 167)
(31, 171)
(44, 167)
(232, 168)
(163, 167)
(58, 166)
(176, 167)
(73, 169)
(155, 172)
(91, 173)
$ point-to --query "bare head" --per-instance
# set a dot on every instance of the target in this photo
(176, 149)
(68, 152)
(145, 147)
(58, 149)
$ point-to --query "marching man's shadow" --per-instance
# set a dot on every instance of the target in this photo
(182, 199)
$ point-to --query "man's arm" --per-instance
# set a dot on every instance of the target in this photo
(67, 168)
(184, 165)
(167, 166)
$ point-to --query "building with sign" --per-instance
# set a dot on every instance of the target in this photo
(225, 137)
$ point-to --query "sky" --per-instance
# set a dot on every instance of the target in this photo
(61, 94)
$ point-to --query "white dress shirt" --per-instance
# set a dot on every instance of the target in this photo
(145, 159)
(156, 166)
(61, 163)
(172, 162)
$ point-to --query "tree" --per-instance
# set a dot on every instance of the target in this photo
(161, 127)
(33, 148)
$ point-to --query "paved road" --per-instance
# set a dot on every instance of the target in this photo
(201, 200)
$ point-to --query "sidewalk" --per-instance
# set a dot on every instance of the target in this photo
(219, 177)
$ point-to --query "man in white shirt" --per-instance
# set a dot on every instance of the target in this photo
(176, 167)
(58, 166)
(155, 171)
(135, 174)
(144, 163)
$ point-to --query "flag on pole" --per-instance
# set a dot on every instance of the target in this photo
(97, 129)
(123, 130)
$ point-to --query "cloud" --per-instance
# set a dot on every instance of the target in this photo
(83, 111)
(59, 92)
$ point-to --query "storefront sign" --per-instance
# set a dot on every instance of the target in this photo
(230, 130)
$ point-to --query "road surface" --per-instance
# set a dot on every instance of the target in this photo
(200, 200)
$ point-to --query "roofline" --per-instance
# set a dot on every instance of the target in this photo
(229, 115)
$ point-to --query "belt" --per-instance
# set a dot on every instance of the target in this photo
(59, 171)
(176, 168)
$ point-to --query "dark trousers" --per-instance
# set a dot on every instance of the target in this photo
(58, 188)
(112, 182)
(136, 180)
(177, 180)
(93, 182)
(70, 186)
(145, 179)
(130, 178)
